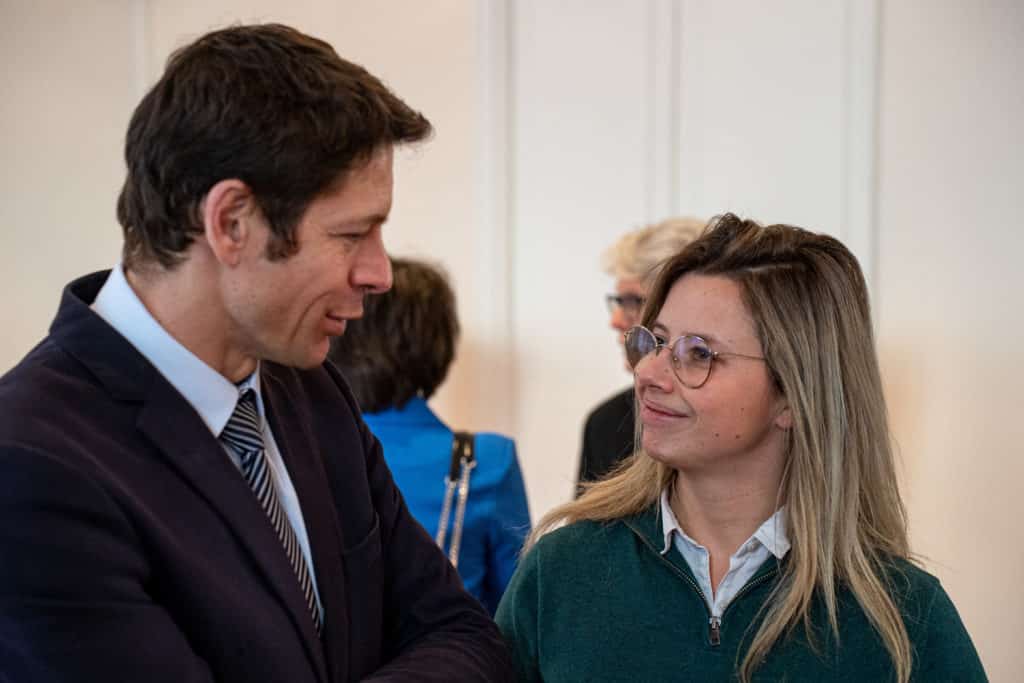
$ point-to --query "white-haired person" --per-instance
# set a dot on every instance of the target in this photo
(758, 533)
(632, 261)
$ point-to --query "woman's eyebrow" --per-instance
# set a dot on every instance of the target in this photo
(659, 327)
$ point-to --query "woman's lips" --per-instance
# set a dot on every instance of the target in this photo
(652, 412)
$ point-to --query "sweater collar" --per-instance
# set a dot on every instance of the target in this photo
(647, 526)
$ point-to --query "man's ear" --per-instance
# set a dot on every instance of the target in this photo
(227, 212)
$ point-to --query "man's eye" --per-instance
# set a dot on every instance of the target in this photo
(631, 301)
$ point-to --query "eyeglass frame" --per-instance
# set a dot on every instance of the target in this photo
(676, 363)
(618, 302)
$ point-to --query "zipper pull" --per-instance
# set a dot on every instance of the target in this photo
(715, 631)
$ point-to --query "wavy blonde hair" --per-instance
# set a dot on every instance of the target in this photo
(638, 254)
(844, 514)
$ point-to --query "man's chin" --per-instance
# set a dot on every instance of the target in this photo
(314, 356)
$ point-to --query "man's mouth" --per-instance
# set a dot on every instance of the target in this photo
(335, 324)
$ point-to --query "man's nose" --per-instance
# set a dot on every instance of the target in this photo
(620, 320)
(372, 271)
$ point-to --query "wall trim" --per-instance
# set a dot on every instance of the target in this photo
(662, 138)
(859, 229)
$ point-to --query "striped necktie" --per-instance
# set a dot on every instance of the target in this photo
(242, 434)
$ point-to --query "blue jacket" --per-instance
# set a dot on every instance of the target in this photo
(418, 449)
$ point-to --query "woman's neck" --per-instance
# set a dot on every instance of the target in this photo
(721, 513)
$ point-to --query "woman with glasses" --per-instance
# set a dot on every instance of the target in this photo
(633, 261)
(759, 533)
(394, 358)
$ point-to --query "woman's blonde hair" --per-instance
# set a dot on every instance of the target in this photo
(638, 254)
(844, 515)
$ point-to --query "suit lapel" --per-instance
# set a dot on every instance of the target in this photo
(186, 443)
(298, 447)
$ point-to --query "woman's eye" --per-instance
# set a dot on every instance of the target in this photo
(700, 354)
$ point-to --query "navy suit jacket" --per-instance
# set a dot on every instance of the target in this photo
(131, 549)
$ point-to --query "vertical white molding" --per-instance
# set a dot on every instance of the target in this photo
(141, 44)
(662, 139)
(495, 265)
(687, 180)
(859, 230)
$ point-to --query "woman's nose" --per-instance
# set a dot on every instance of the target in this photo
(655, 369)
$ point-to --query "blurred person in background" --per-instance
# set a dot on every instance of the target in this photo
(395, 357)
(633, 261)
(759, 532)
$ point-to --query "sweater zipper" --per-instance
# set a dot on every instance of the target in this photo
(715, 636)
(714, 623)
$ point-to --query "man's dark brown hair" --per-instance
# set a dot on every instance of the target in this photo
(266, 104)
(405, 341)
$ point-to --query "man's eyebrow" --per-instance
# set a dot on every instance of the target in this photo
(361, 222)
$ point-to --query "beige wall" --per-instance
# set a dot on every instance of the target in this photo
(919, 146)
(951, 321)
(67, 94)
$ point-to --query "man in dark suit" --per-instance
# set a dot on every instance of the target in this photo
(633, 261)
(187, 492)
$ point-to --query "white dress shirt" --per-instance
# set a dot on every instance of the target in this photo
(211, 394)
(769, 539)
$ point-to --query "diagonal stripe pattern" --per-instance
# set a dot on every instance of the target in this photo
(242, 435)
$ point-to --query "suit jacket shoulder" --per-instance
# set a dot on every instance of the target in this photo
(607, 436)
(134, 550)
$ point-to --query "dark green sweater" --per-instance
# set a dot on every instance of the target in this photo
(597, 602)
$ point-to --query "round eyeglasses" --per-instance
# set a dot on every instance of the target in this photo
(630, 304)
(692, 358)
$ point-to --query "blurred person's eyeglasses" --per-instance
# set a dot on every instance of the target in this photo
(692, 358)
(630, 304)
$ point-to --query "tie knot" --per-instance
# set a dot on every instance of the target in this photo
(242, 432)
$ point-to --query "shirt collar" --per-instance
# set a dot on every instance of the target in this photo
(205, 389)
(771, 534)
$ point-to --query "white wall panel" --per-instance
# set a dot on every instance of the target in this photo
(762, 110)
(777, 108)
(582, 122)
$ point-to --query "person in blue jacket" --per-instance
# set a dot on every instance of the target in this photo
(395, 357)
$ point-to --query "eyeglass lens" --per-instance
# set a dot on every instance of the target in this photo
(630, 303)
(691, 356)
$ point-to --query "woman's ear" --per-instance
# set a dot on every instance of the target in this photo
(784, 418)
(226, 212)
